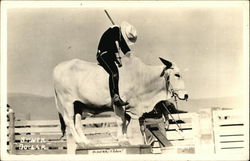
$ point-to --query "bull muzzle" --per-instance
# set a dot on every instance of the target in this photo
(185, 98)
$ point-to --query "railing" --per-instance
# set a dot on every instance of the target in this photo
(184, 140)
(229, 131)
(43, 136)
(34, 137)
(213, 131)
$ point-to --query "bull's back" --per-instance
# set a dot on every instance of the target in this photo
(72, 70)
(81, 80)
(63, 69)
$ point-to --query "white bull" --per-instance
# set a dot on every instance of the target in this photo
(82, 86)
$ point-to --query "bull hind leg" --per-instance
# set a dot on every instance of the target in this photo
(63, 125)
(72, 121)
(78, 110)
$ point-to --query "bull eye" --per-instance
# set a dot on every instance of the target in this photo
(177, 75)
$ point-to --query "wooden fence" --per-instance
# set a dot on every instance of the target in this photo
(43, 137)
(34, 137)
(220, 132)
(184, 140)
(229, 131)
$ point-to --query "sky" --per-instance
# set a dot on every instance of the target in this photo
(205, 42)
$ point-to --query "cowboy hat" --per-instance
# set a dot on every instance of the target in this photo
(129, 33)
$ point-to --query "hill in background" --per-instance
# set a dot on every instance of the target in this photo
(194, 105)
(44, 108)
(39, 107)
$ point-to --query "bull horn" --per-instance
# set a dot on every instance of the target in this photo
(166, 62)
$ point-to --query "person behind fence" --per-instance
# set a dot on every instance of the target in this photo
(113, 39)
(159, 118)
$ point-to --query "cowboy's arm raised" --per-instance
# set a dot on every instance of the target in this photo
(121, 43)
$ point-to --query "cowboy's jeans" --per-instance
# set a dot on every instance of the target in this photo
(152, 121)
(110, 67)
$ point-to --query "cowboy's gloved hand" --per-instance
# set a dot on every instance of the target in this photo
(142, 128)
(167, 124)
(119, 62)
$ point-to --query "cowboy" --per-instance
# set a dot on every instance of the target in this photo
(159, 118)
(113, 39)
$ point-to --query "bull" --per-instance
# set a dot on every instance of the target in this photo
(82, 87)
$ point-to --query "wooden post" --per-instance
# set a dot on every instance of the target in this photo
(12, 132)
(154, 130)
(71, 144)
(196, 132)
(205, 132)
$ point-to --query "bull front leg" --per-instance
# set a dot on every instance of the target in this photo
(134, 132)
(121, 125)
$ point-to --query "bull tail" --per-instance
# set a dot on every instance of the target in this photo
(63, 126)
(62, 122)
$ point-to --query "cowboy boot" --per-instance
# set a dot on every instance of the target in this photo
(115, 97)
(118, 101)
(115, 91)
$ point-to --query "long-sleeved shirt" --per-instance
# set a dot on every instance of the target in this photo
(158, 111)
(108, 39)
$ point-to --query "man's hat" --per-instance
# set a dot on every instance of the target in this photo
(129, 33)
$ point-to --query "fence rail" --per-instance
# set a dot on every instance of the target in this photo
(43, 136)
(229, 131)
(222, 131)
(183, 138)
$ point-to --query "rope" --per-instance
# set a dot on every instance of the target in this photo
(175, 97)
(177, 108)
(179, 128)
(169, 88)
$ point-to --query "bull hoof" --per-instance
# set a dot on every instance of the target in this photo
(124, 143)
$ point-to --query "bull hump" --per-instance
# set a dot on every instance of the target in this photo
(75, 65)
(66, 66)
(78, 65)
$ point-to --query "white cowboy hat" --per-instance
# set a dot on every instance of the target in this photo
(129, 33)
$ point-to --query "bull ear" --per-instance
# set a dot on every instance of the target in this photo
(167, 63)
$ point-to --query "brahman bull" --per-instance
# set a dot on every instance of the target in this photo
(82, 86)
